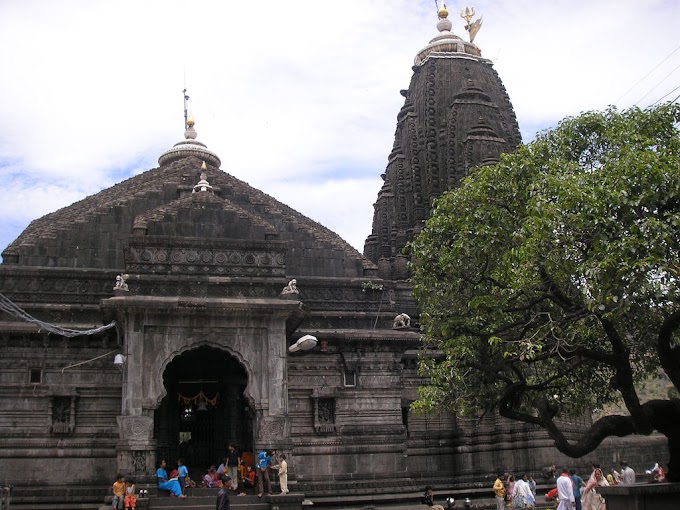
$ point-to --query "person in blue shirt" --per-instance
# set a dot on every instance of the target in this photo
(182, 473)
(168, 485)
(264, 460)
(577, 483)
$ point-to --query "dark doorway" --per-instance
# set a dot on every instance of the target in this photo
(204, 410)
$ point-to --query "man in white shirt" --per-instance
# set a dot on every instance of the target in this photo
(565, 491)
(627, 474)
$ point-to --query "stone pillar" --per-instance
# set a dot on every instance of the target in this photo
(136, 448)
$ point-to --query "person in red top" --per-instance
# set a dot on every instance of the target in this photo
(247, 476)
(657, 472)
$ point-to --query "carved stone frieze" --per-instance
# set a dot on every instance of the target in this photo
(55, 287)
(161, 256)
(63, 415)
(156, 287)
(138, 462)
(324, 415)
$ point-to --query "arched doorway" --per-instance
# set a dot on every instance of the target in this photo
(203, 411)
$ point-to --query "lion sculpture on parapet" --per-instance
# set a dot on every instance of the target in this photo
(402, 321)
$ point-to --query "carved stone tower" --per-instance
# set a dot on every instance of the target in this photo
(457, 115)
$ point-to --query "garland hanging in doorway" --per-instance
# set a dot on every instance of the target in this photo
(200, 400)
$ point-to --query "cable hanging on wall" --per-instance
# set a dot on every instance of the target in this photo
(10, 308)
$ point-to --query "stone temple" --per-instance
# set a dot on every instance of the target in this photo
(212, 336)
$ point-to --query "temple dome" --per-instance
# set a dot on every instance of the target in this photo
(189, 147)
(447, 44)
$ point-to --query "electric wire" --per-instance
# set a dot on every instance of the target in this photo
(659, 83)
(10, 308)
(88, 361)
(665, 95)
(646, 75)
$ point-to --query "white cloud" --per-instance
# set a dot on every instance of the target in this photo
(283, 92)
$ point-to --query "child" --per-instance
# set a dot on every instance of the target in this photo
(282, 466)
(118, 490)
(247, 475)
(428, 499)
(211, 478)
(190, 483)
(130, 493)
(182, 474)
(428, 496)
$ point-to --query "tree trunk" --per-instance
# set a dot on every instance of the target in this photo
(665, 417)
(673, 474)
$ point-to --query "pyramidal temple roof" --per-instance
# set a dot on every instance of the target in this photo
(186, 198)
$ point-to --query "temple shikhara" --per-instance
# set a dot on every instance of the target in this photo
(216, 314)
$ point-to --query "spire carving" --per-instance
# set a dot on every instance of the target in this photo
(456, 115)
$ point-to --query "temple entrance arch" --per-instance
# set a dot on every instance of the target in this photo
(203, 410)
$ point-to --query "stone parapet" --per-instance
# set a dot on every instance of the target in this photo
(642, 496)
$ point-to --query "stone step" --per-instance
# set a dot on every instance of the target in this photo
(55, 506)
(204, 499)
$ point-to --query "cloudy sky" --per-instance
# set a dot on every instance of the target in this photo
(298, 98)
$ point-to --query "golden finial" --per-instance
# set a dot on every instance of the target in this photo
(190, 120)
(443, 11)
(204, 167)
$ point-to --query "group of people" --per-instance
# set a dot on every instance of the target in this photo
(516, 493)
(625, 477)
(241, 476)
(248, 477)
(265, 462)
(177, 482)
(124, 493)
(573, 492)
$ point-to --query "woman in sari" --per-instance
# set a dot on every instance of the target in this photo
(166, 484)
(591, 500)
(522, 496)
(509, 489)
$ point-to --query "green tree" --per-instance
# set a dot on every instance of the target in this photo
(549, 281)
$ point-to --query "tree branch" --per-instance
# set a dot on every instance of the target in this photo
(559, 297)
(624, 378)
